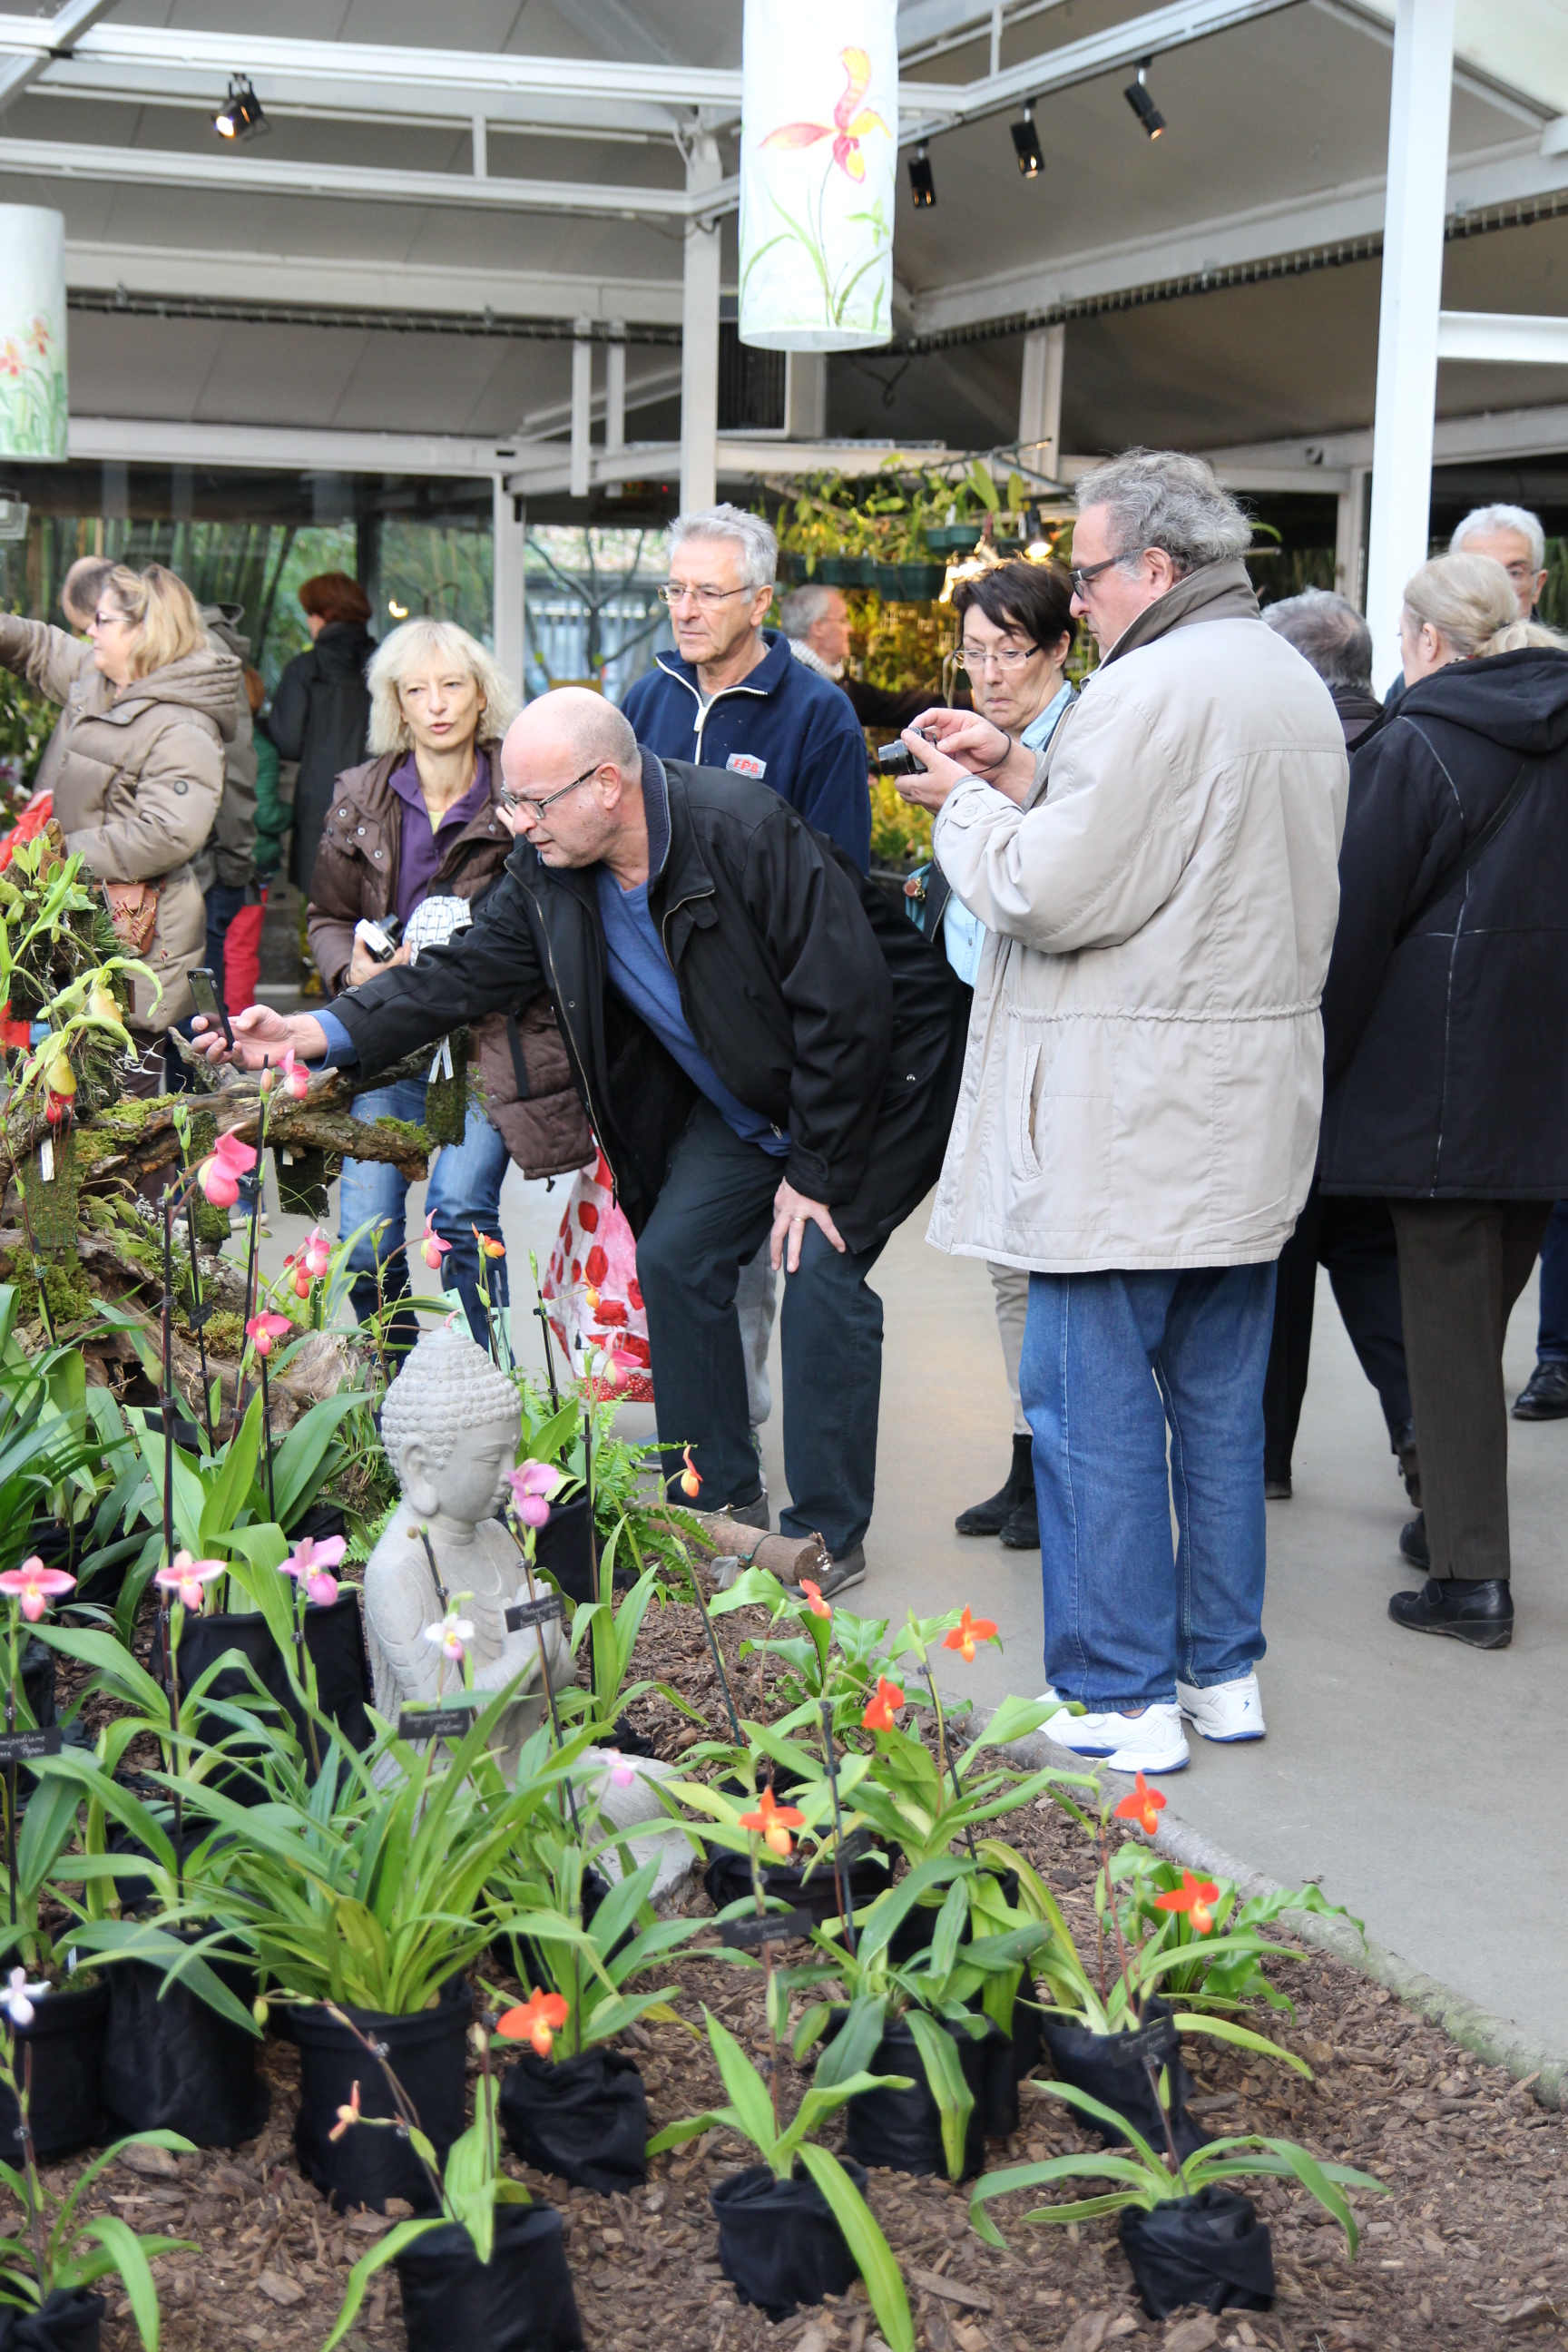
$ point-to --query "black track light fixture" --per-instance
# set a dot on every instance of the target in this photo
(1137, 96)
(922, 186)
(240, 116)
(1026, 145)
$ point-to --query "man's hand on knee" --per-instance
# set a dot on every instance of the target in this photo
(792, 1214)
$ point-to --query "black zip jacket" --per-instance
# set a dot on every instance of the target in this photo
(1446, 1032)
(817, 1002)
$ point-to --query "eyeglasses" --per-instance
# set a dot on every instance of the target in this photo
(1519, 572)
(675, 591)
(1007, 658)
(1082, 574)
(537, 808)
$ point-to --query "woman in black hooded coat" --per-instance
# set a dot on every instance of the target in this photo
(320, 712)
(1445, 1041)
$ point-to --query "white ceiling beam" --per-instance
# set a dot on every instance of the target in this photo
(741, 457)
(66, 27)
(1196, 248)
(156, 441)
(214, 274)
(1492, 436)
(149, 167)
(1365, 17)
(1509, 341)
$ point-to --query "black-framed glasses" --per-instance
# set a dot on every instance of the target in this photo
(976, 659)
(1082, 574)
(526, 800)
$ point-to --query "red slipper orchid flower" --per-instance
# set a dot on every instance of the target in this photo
(489, 1246)
(691, 1478)
(348, 2115)
(1197, 1897)
(539, 2020)
(878, 1715)
(773, 1823)
(814, 1600)
(1144, 1806)
(35, 1585)
(967, 1633)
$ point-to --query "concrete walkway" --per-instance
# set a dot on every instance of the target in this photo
(1416, 1779)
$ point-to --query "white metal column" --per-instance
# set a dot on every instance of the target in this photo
(1040, 397)
(1407, 325)
(700, 342)
(582, 409)
(615, 388)
(1350, 537)
(509, 527)
(806, 396)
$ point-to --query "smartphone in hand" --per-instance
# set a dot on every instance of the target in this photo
(203, 988)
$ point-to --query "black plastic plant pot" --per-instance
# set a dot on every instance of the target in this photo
(1011, 2057)
(175, 2065)
(779, 2242)
(425, 2051)
(1211, 2250)
(728, 1877)
(70, 2320)
(564, 1547)
(519, 2301)
(66, 2039)
(914, 1931)
(902, 2129)
(584, 2119)
(1115, 2069)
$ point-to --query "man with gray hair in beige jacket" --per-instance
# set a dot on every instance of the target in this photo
(1139, 1115)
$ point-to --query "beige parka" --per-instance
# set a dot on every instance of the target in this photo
(138, 781)
(1143, 1078)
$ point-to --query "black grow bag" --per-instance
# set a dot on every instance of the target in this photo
(1111, 2068)
(425, 2051)
(1211, 2250)
(902, 2129)
(522, 1959)
(520, 2301)
(65, 2039)
(1009, 2058)
(567, 1548)
(914, 1931)
(69, 2321)
(175, 2065)
(779, 2243)
(583, 2118)
(728, 1877)
(333, 1638)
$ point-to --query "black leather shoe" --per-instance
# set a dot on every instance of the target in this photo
(1412, 1542)
(1544, 1396)
(989, 1517)
(1477, 1610)
(1277, 1490)
(1021, 1528)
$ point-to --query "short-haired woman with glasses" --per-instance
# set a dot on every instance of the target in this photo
(1016, 635)
(420, 821)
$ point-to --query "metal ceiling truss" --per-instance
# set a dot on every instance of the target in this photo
(484, 324)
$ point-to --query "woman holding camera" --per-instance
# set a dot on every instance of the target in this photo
(1016, 637)
(421, 822)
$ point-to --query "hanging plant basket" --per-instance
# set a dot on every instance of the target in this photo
(790, 567)
(519, 2301)
(583, 2118)
(951, 538)
(426, 2053)
(304, 1176)
(909, 583)
(51, 1191)
(780, 2244)
(1211, 2250)
(65, 2039)
(847, 571)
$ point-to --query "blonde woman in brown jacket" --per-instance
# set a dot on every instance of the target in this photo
(139, 774)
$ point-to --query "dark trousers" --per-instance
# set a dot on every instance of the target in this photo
(1354, 1239)
(1551, 1339)
(713, 1214)
(1462, 1264)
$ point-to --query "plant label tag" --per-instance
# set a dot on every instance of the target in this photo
(199, 1315)
(27, 1746)
(543, 1611)
(778, 1927)
(46, 1160)
(434, 1723)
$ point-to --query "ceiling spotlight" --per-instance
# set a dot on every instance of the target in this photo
(1026, 145)
(1137, 96)
(922, 187)
(240, 115)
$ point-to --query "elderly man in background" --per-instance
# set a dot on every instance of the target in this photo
(815, 620)
(1139, 1116)
(1512, 537)
(731, 697)
(1353, 1238)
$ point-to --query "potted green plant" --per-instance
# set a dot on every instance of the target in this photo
(1187, 2237)
(796, 2226)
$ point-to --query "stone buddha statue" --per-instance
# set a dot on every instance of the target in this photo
(450, 1425)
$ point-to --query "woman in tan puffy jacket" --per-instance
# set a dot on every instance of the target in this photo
(149, 703)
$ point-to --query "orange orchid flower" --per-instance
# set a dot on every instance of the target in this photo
(878, 1715)
(539, 2020)
(1195, 1897)
(773, 1823)
(967, 1633)
(814, 1600)
(348, 2115)
(691, 1478)
(850, 122)
(1144, 1806)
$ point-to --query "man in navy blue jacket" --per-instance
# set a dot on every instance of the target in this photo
(730, 696)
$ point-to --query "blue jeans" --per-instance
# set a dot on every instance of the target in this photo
(463, 1192)
(1112, 1364)
(1551, 1340)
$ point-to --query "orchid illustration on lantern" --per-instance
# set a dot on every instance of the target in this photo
(33, 395)
(818, 154)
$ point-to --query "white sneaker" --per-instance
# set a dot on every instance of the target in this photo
(1225, 1711)
(1150, 1742)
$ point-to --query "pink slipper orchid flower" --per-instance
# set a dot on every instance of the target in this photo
(316, 1253)
(220, 1175)
(295, 1078)
(312, 1563)
(531, 1483)
(35, 1585)
(262, 1330)
(185, 1577)
(432, 1248)
(16, 1999)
